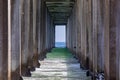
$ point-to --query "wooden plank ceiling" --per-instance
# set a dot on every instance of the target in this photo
(60, 10)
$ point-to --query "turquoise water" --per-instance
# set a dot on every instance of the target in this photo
(60, 44)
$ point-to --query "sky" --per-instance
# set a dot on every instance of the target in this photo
(60, 33)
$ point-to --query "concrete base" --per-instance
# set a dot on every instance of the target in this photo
(25, 71)
(30, 65)
(35, 61)
(3, 77)
(42, 55)
(16, 75)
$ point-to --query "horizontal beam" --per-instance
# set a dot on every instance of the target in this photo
(59, 5)
(60, 0)
(61, 19)
(60, 15)
(60, 23)
(56, 22)
(59, 9)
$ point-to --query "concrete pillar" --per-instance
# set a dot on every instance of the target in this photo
(70, 23)
(113, 37)
(106, 38)
(78, 31)
(30, 38)
(83, 33)
(117, 19)
(3, 40)
(88, 34)
(97, 35)
(14, 40)
(100, 39)
(53, 33)
(48, 30)
(67, 35)
(71, 33)
(45, 31)
(89, 27)
(43, 27)
(41, 34)
(39, 25)
(74, 30)
(25, 7)
(35, 37)
(75, 27)
(94, 34)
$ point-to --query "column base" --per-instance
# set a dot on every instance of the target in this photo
(42, 55)
(25, 71)
(35, 61)
(16, 75)
(30, 65)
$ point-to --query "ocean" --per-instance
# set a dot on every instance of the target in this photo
(60, 44)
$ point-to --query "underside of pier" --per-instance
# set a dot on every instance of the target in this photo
(27, 33)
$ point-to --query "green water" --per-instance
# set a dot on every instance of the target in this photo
(59, 65)
(59, 53)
